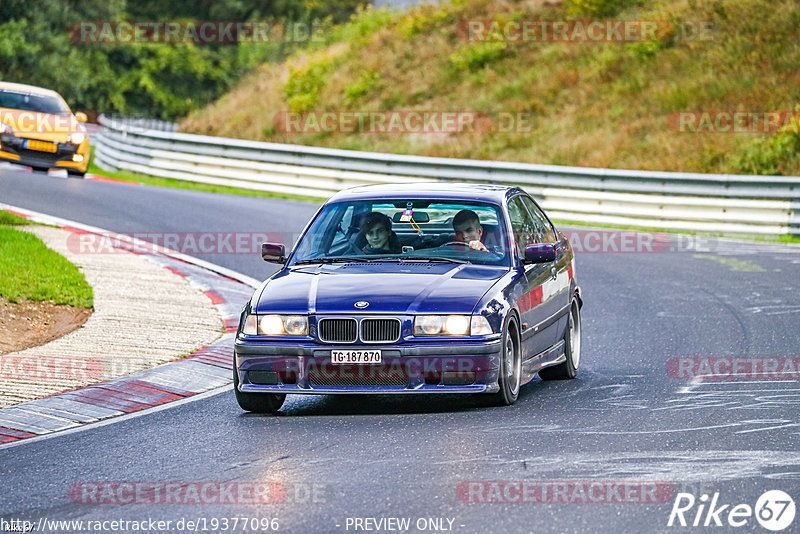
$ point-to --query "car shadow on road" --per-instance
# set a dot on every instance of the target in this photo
(358, 404)
(362, 404)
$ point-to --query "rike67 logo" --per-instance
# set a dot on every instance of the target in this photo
(774, 510)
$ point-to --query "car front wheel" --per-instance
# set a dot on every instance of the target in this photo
(257, 402)
(510, 366)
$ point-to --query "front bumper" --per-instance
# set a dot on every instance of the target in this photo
(12, 149)
(306, 368)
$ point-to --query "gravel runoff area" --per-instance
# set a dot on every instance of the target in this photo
(144, 315)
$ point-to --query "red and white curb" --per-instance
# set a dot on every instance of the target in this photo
(207, 369)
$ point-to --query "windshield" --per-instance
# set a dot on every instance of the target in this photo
(406, 229)
(31, 102)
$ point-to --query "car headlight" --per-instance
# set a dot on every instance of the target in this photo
(5, 128)
(451, 325)
(76, 138)
(275, 325)
(428, 325)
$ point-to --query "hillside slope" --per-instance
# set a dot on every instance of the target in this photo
(597, 104)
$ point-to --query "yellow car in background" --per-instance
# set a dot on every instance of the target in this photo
(38, 129)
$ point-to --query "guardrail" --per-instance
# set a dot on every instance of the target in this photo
(667, 200)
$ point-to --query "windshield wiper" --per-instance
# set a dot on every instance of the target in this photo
(336, 259)
(397, 259)
(434, 259)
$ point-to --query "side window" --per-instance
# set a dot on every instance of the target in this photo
(521, 225)
(542, 227)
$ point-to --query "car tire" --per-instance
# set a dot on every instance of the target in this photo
(572, 349)
(510, 366)
(75, 174)
(257, 402)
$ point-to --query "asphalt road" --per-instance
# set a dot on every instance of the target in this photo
(342, 459)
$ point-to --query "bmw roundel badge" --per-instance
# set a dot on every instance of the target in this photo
(361, 304)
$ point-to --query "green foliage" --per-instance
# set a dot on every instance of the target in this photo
(596, 8)
(423, 19)
(644, 49)
(304, 84)
(145, 79)
(366, 82)
(169, 81)
(770, 154)
(475, 56)
(596, 104)
(362, 25)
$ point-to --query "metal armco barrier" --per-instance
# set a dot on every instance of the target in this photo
(688, 201)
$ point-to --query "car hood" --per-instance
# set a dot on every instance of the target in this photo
(44, 126)
(389, 288)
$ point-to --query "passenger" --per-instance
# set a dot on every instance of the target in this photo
(468, 229)
(376, 236)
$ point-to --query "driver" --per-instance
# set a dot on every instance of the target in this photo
(468, 229)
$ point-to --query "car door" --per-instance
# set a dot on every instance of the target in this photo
(555, 290)
(534, 311)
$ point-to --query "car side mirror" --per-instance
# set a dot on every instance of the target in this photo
(540, 253)
(80, 116)
(273, 252)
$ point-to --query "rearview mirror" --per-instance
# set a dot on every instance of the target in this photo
(419, 217)
(81, 116)
(273, 252)
(540, 253)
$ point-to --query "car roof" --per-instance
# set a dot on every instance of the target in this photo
(439, 190)
(27, 89)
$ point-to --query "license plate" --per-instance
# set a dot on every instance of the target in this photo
(41, 146)
(355, 356)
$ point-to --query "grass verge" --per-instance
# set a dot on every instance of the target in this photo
(9, 219)
(31, 271)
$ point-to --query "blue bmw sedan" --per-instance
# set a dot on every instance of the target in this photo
(413, 289)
